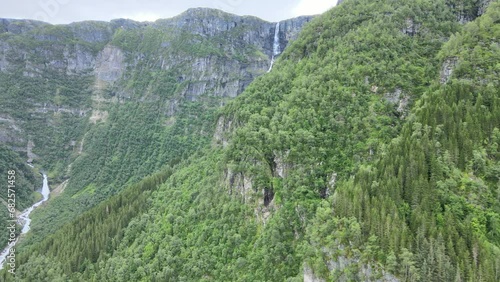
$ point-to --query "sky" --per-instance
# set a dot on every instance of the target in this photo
(67, 11)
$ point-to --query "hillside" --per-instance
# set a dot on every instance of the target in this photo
(370, 152)
(102, 104)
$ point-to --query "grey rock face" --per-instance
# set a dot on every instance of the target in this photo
(78, 59)
(398, 98)
(19, 26)
(366, 271)
(337, 264)
(290, 29)
(128, 24)
(92, 32)
(109, 66)
(482, 5)
(240, 185)
(220, 77)
(447, 69)
(463, 18)
(202, 21)
(309, 275)
(411, 28)
(68, 50)
(4, 49)
(223, 128)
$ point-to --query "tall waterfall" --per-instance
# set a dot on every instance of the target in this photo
(276, 45)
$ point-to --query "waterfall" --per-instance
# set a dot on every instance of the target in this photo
(25, 221)
(24, 217)
(276, 45)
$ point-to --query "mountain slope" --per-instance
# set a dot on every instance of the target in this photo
(428, 209)
(102, 105)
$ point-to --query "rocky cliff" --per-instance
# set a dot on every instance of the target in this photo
(235, 45)
(79, 68)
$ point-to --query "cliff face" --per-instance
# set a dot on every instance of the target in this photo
(245, 46)
(19, 26)
(210, 52)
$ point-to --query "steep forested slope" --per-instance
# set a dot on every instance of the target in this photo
(369, 152)
(428, 208)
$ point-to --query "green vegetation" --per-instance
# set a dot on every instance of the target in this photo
(25, 183)
(147, 121)
(106, 221)
(135, 140)
(428, 207)
(359, 157)
(40, 98)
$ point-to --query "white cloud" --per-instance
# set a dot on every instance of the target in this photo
(313, 7)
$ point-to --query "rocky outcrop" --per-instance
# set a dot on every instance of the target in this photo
(309, 275)
(400, 99)
(366, 272)
(239, 184)
(78, 59)
(4, 50)
(19, 26)
(289, 29)
(281, 166)
(330, 189)
(224, 126)
(92, 31)
(482, 5)
(29, 151)
(447, 69)
(9, 131)
(219, 77)
(410, 27)
(110, 65)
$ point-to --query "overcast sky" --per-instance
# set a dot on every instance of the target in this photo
(66, 11)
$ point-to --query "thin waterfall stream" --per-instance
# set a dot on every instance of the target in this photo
(276, 45)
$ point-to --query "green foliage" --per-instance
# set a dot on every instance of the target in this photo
(134, 141)
(25, 184)
(36, 102)
(336, 177)
(98, 231)
(431, 198)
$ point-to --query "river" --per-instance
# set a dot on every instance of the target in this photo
(24, 220)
